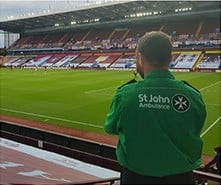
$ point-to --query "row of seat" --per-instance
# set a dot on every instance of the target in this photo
(187, 33)
(181, 60)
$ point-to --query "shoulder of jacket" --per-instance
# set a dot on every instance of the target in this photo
(186, 83)
(133, 81)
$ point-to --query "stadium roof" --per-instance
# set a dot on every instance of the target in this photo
(113, 12)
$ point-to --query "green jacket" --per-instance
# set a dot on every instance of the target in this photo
(158, 120)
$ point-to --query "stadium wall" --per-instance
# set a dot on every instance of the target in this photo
(80, 149)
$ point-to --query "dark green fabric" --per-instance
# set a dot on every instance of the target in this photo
(158, 120)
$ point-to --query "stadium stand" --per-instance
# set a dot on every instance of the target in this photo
(78, 60)
(37, 61)
(52, 60)
(20, 61)
(210, 30)
(126, 61)
(104, 60)
(198, 33)
(70, 40)
(210, 61)
(186, 60)
(9, 61)
(181, 30)
(79, 43)
(111, 45)
(97, 38)
(65, 62)
(174, 58)
(120, 63)
(89, 62)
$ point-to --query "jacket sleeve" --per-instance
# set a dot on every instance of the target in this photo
(113, 117)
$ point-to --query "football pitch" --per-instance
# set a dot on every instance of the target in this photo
(81, 98)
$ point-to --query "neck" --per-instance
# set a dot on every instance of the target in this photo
(148, 69)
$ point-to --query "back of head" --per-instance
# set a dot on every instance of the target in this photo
(156, 47)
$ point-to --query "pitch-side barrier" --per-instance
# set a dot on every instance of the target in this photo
(84, 150)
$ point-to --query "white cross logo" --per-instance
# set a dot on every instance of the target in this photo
(180, 103)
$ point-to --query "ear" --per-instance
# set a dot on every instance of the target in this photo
(139, 58)
(140, 64)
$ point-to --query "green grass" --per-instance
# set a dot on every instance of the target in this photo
(81, 99)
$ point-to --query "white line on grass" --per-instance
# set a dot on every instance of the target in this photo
(53, 118)
(211, 126)
(213, 104)
(102, 94)
(209, 86)
(103, 89)
(99, 91)
(214, 123)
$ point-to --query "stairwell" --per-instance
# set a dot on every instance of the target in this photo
(85, 36)
(198, 61)
(110, 36)
(124, 36)
(162, 27)
(197, 33)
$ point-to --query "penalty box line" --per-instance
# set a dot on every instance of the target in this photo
(53, 118)
(100, 90)
(210, 127)
(218, 119)
(206, 87)
(107, 88)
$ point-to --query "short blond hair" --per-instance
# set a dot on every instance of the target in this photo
(156, 47)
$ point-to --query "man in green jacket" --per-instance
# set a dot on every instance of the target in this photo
(158, 120)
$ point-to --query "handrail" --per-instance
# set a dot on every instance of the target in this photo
(111, 180)
(207, 176)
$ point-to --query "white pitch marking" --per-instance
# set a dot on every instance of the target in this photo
(98, 90)
(209, 86)
(214, 123)
(211, 126)
(102, 94)
(213, 104)
(53, 118)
